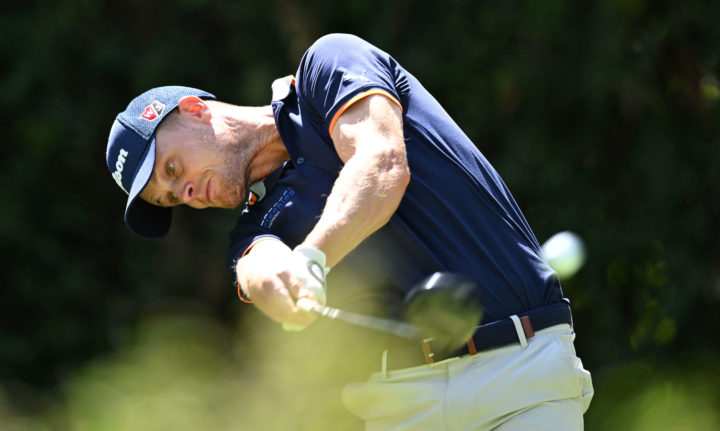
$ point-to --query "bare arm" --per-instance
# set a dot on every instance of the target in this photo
(368, 137)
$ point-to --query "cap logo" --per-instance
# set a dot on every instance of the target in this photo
(153, 111)
(119, 165)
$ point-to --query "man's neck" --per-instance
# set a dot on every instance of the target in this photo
(272, 154)
(254, 128)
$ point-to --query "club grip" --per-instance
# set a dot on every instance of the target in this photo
(307, 305)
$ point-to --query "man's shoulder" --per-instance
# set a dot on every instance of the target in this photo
(335, 48)
(323, 58)
(335, 41)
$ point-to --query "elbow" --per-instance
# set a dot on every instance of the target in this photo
(400, 179)
(401, 171)
(404, 176)
(392, 177)
(392, 173)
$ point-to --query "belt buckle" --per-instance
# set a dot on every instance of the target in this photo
(430, 355)
(427, 351)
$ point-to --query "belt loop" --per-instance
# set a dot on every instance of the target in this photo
(472, 349)
(383, 364)
(520, 331)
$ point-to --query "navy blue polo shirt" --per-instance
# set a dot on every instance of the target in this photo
(456, 215)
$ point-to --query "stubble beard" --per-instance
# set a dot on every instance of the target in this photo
(235, 177)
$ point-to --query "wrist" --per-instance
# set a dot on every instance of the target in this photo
(314, 254)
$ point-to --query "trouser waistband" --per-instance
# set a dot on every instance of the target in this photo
(488, 336)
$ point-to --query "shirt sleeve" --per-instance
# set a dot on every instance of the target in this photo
(340, 69)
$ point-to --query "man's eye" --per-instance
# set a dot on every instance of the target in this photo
(171, 168)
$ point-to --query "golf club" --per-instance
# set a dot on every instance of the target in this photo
(389, 326)
(444, 307)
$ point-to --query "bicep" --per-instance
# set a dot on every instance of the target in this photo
(372, 124)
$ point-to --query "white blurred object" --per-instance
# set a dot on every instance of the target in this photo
(565, 253)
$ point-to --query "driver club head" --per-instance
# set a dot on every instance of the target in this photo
(447, 307)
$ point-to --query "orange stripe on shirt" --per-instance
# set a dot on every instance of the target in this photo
(359, 97)
(254, 243)
(242, 297)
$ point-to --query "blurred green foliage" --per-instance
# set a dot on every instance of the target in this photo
(601, 116)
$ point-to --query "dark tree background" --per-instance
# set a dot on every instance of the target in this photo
(601, 116)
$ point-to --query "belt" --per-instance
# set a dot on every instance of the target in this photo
(488, 336)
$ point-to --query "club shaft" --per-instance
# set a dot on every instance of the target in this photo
(389, 326)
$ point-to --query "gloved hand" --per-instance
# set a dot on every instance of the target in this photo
(308, 265)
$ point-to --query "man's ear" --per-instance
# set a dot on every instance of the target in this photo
(195, 108)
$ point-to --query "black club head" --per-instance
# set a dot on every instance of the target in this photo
(447, 307)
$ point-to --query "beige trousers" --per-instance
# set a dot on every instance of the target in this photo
(539, 386)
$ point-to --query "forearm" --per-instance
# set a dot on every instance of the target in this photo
(368, 138)
(364, 197)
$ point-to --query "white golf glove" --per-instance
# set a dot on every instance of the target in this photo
(308, 265)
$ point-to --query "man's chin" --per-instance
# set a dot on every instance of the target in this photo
(229, 204)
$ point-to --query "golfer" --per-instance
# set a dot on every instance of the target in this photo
(355, 172)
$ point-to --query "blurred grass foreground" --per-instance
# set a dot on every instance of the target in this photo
(185, 372)
(189, 373)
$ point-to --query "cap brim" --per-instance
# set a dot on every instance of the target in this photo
(142, 218)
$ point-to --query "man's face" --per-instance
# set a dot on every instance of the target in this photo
(194, 166)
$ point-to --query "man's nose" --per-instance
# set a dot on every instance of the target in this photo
(187, 193)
